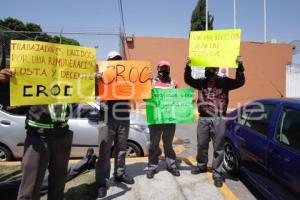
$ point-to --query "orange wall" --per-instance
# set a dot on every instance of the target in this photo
(264, 64)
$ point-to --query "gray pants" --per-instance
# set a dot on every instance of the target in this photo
(211, 129)
(50, 151)
(166, 132)
(116, 133)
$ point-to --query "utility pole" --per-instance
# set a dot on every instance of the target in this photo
(60, 35)
(206, 15)
(265, 21)
(234, 13)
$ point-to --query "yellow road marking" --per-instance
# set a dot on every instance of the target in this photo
(228, 194)
(11, 163)
(224, 189)
(161, 142)
(179, 149)
(15, 163)
(137, 159)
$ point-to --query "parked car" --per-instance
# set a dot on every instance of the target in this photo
(263, 142)
(83, 123)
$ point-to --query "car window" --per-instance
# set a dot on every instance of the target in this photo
(81, 110)
(288, 128)
(259, 117)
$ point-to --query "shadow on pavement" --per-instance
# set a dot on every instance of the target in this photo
(82, 191)
(89, 191)
(250, 187)
(255, 192)
(11, 176)
(122, 186)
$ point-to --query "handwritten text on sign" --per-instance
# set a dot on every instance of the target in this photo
(214, 48)
(51, 73)
(170, 106)
(124, 80)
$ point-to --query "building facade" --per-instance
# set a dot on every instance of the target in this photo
(265, 64)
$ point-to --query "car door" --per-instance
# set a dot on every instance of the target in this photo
(284, 153)
(252, 136)
(12, 130)
(85, 131)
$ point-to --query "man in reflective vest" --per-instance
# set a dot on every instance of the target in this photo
(47, 145)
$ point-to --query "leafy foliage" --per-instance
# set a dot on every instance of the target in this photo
(198, 18)
(12, 24)
(9, 28)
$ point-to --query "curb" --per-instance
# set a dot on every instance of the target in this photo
(17, 163)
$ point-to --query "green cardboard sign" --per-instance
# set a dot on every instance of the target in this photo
(170, 106)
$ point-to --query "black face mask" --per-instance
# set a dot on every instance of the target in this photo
(164, 74)
(209, 74)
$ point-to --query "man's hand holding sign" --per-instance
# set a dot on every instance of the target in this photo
(47, 76)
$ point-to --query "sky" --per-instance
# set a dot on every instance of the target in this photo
(158, 18)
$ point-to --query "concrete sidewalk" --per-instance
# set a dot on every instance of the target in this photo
(164, 185)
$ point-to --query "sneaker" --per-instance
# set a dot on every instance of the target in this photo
(102, 192)
(125, 179)
(151, 173)
(174, 171)
(218, 181)
(198, 170)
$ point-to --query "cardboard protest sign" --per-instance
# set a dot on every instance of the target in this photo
(124, 80)
(214, 48)
(170, 106)
(51, 73)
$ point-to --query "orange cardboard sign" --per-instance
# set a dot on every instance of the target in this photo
(124, 80)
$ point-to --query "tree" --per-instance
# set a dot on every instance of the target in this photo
(12, 24)
(198, 18)
(32, 32)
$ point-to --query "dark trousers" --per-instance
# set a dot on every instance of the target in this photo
(116, 133)
(41, 151)
(211, 129)
(166, 132)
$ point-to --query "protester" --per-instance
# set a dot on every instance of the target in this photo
(9, 189)
(212, 106)
(164, 131)
(47, 145)
(118, 121)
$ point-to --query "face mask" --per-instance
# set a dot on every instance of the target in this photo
(164, 74)
(209, 74)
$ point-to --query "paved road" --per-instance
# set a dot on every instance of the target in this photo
(239, 186)
(187, 186)
(164, 185)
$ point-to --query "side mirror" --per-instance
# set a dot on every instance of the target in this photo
(94, 115)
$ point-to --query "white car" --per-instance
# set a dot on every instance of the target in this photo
(82, 123)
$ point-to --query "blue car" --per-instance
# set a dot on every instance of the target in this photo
(263, 142)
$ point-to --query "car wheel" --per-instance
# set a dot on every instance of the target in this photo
(5, 154)
(133, 150)
(231, 162)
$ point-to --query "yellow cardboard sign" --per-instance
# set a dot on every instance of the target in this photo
(215, 48)
(51, 73)
(124, 80)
